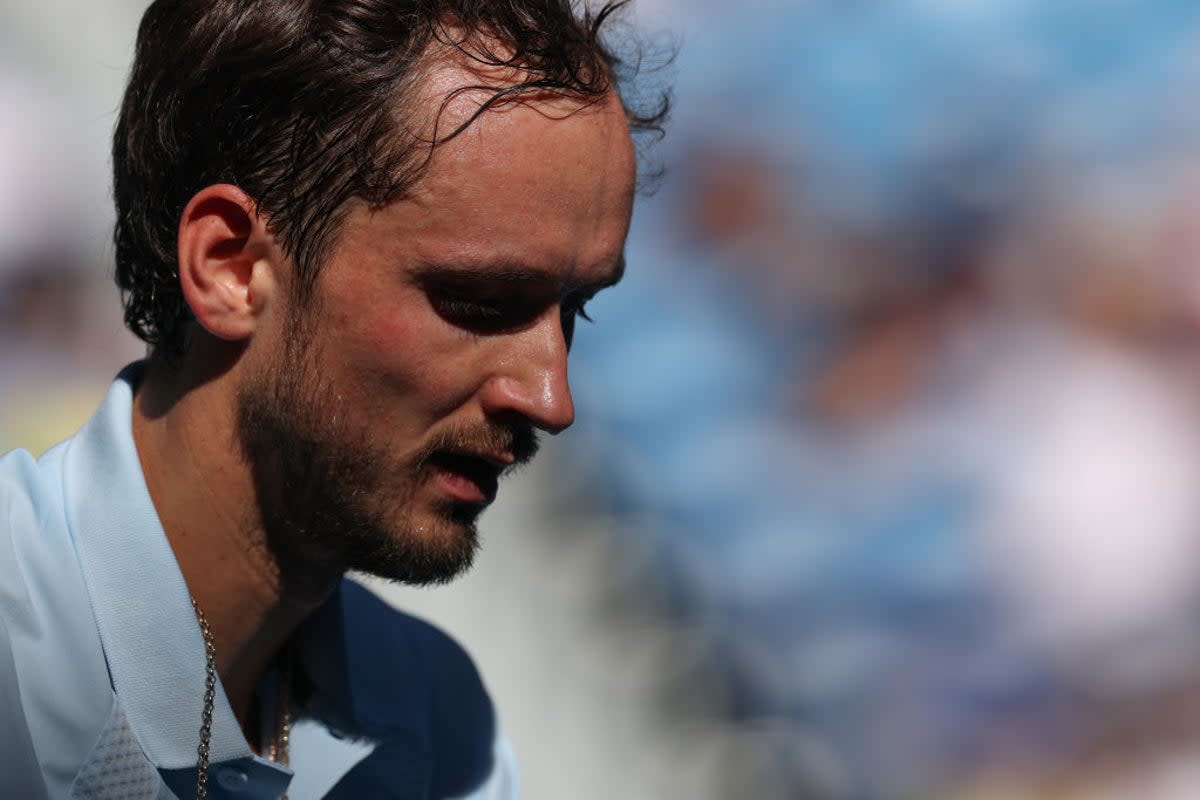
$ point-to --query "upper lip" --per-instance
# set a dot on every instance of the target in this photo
(499, 460)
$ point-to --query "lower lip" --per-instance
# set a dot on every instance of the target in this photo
(463, 488)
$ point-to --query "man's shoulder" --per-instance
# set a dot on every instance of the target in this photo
(18, 757)
(403, 657)
(410, 685)
(23, 488)
(54, 690)
(32, 519)
(419, 644)
(34, 532)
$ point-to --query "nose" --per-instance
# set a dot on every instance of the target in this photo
(531, 381)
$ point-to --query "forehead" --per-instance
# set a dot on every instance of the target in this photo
(457, 94)
(543, 180)
(536, 150)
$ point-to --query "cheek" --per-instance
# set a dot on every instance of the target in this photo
(379, 335)
(413, 357)
(371, 327)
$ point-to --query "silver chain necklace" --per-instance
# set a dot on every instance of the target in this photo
(278, 750)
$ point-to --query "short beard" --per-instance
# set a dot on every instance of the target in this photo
(323, 500)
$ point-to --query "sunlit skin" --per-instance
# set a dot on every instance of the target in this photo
(450, 310)
(447, 310)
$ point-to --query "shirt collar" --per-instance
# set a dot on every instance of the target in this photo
(143, 610)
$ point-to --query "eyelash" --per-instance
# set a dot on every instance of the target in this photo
(482, 312)
(576, 307)
(469, 310)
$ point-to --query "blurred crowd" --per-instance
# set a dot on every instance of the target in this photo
(898, 409)
(895, 419)
(61, 338)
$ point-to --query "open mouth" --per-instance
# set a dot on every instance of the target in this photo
(468, 478)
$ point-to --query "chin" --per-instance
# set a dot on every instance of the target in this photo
(434, 548)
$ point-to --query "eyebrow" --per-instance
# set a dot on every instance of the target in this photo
(514, 272)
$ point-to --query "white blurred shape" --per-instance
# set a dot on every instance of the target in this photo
(38, 162)
(1094, 534)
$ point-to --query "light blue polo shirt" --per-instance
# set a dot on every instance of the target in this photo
(102, 661)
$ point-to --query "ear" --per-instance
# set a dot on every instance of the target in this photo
(226, 261)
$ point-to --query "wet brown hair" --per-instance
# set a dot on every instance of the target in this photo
(306, 104)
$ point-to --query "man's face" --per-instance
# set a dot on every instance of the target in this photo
(379, 417)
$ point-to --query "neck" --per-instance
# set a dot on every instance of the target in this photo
(202, 489)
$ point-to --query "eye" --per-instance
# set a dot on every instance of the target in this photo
(573, 307)
(465, 311)
(481, 309)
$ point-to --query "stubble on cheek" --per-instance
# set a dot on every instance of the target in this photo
(327, 491)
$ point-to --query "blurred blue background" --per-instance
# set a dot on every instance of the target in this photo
(889, 443)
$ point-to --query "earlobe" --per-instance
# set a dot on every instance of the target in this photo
(225, 261)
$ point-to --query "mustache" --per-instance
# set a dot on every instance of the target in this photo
(519, 441)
